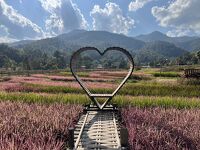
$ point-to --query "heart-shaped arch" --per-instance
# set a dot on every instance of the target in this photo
(108, 96)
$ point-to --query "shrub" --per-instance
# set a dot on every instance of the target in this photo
(4, 79)
(166, 74)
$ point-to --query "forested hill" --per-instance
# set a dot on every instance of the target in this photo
(101, 39)
(55, 52)
(189, 43)
(164, 48)
(10, 56)
(80, 38)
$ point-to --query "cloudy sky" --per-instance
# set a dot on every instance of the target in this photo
(35, 19)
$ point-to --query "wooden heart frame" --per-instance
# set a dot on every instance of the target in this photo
(108, 96)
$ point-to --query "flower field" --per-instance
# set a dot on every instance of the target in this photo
(157, 128)
(160, 112)
(34, 126)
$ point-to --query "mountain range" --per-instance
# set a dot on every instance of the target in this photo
(102, 39)
(55, 52)
(150, 48)
(81, 38)
(155, 42)
(186, 42)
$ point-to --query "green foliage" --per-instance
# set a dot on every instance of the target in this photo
(61, 59)
(32, 59)
(187, 59)
(198, 55)
(9, 57)
(166, 74)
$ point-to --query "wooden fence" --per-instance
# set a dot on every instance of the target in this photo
(192, 73)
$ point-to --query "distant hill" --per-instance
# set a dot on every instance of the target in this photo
(102, 39)
(159, 36)
(68, 42)
(178, 41)
(20, 43)
(165, 49)
(192, 45)
(154, 36)
(80, 38)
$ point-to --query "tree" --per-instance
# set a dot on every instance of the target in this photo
(26, 65)
(60, 59)
(187, 59)
(198, 55)
(123, 64)
(5, 61)
(87, 62)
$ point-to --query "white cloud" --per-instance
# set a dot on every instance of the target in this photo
(181, 15)
(111, 19)
(178, 32)
(137, 4)
(16, 24)
(83, 22)
(4, 34)
(64, 16)
(60, 16)
(5, 39)
(3, 30)
(50, 5)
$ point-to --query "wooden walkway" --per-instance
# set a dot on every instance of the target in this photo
(97, 130)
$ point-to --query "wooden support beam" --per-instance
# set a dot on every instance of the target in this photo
(124, 138)
(71, 138)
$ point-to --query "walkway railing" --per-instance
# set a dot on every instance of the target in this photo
(192, 73)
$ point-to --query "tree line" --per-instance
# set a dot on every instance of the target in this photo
(20, 59)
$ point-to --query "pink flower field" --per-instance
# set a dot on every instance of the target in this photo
(16, 83)
(34, 126)
(158, 128)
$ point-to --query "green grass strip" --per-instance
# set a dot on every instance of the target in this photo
(137, 89)
(123, 101)
(165, 102)
(45, 98)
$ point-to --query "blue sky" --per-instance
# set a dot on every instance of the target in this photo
(35, 19)
(145, 22)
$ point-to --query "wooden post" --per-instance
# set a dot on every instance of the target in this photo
(124, 138)
(71, 138)
(114, 106)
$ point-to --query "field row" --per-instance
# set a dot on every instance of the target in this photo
(157, 128)
(35, 127)
(138, 89)
(44, 126)
(122, 101)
